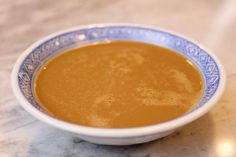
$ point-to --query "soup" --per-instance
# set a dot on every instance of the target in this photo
(118, 84)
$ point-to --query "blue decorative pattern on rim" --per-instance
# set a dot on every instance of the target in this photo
(59, 43)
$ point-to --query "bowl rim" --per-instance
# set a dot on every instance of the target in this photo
(115, 132)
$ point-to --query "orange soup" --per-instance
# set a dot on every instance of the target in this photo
(118, 84)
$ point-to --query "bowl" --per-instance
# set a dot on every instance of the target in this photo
(36, 55)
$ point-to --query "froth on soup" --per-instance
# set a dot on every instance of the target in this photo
(119, 84)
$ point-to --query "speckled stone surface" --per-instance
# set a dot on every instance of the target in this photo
(210, 22)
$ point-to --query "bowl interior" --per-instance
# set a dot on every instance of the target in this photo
(74, 38)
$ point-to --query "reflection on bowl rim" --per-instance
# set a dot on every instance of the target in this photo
(113, 132)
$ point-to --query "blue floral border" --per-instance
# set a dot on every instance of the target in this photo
(57, 44)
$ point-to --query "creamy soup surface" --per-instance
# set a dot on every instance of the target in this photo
(118, 84)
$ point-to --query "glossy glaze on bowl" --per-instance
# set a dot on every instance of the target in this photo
(30, 61)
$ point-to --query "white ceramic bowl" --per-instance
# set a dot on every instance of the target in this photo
(37, 54)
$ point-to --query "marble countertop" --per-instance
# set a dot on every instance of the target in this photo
(210, 22)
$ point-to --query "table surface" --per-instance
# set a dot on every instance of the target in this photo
(210, 22)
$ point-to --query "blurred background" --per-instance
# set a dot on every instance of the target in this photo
(209, 22)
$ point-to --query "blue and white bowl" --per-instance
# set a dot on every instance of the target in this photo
(36, 55)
